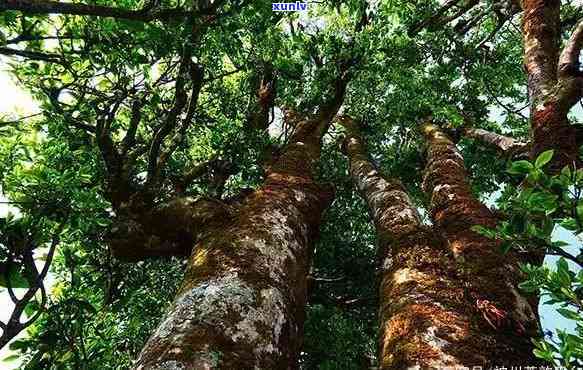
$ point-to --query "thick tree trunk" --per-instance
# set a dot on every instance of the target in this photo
(431, 315)
(241, 304)
(242, 301)
(423, 318)
(505, 320)
(554, 82)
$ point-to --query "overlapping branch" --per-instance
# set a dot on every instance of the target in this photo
(468, 15)
(506, 145)
(170, 122)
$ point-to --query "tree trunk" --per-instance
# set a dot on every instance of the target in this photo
(554, 82)
(241, 304)
(421, 317)
(429, 315)
(504, 320)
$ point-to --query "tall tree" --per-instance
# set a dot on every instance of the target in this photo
(423, 320)
(450, 301)
(554, 81)
(490, 277)
(242, 301)
(553, 71)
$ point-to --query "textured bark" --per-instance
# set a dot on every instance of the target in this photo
(431, 314)
(241, 304)
(506, 145)
(167, 230)
(423, 316)
(56, 7)
(264, 84)
(505, 319)
(553, 86)
(540, 29)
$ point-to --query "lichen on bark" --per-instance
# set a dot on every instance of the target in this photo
(503, 317)
(441, 286)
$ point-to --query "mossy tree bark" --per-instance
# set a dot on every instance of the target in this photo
(419, 306)
(241, 304)
(505, 320)
(554, 81)
(432, 314)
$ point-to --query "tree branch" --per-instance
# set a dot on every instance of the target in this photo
(13, 326)
(33, 55)
(196, 76)
(56, 7)
(569, 59)
(130, 137)
(169, 123)
(418, 27)
(504, 144)
(171, 229)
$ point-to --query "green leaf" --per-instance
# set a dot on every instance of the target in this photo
(102, 222)
(31, 308)
(529, 286)
(520, 168)
(18, 344)
(562, 265)
(543, 201)
(66, 356)
(67, 78)
(11, 358)
(544, 158)
(545, 355)
(559, 244)
(566, 171)
(571, 315)
(16, 278)
(569, 223)
(489, 233)
(563, 272)
(568, 293)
